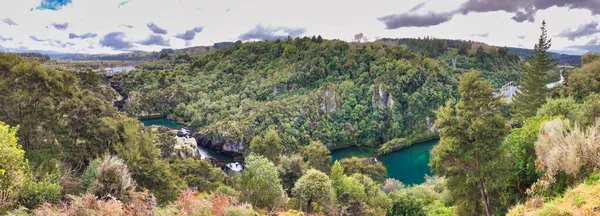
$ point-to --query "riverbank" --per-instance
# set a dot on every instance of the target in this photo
(402, 143)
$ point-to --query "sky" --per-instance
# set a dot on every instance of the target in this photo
(115, 26)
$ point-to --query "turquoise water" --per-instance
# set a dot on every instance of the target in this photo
(409, 165)
(161, 121)
(363, 152)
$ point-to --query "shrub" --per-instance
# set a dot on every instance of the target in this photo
(113, 180)
(89, 176)
(13, 166)
(392, 185)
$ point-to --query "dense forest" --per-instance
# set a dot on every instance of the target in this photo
(281, 106)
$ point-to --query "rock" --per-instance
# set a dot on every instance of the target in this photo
(385, 99)
(226, 146)
(328, 102)
(185, 148)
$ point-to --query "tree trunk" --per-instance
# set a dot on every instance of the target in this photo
(485, 198)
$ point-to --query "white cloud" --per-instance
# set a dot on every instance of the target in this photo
(227, 20)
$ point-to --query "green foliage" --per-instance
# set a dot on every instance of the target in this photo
(13, 166)
(314, 186)
(290, 169)
(150, 171)
(34, 193)
(585, 80)
(589, 58)
(533, 90)
(198, 174)
(470, 145)
(406, 205)
(318, 156)
(259, 183)
(90, 174)
(566, 107)
(520, 148)
(269, 146)
(375, 170)
(238, 93)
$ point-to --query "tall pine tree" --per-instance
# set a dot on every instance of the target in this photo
(469, 150)
(533, 90)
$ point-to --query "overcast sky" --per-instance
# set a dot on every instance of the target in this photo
(113, 26)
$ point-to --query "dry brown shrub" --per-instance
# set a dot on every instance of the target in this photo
(114, 180)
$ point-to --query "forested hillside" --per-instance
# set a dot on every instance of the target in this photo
(340, 93)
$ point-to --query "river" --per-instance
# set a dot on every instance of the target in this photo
(204, 152)
(408, 165)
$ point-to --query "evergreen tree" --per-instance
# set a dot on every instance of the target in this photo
(533, 90)
(471, 135)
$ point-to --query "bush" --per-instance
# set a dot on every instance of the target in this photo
(90, 174)
(13, 166)
(113, 180)
(35, 193)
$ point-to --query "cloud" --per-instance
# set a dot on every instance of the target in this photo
(3, 39)
(593, 41)
(36, 38)
(116, 41)
(481, 34)
(588, 47)
(524, 10)
(581, 31)
(522, 36)
(155, 29)
(122, 3)
(189, 34)
(417, 7)
(51, 42)
(261, 32)
(155, 40)
(415, 20)
(60, 26)
(83, 36)
(126, 26)
(52, 5)
(9, 21)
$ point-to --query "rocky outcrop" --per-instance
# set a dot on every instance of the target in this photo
(186, 147)
(328, 101)
(383, 99)
(224, 146)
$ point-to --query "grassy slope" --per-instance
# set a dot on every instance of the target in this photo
(584, 199)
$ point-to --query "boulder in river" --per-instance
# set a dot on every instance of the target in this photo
(185, 148)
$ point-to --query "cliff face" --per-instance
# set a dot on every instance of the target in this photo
(224, 146)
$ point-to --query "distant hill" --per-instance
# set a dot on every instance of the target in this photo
(562, 59)
(137, 55)
(434, 49)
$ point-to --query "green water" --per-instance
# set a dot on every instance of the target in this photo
(408, 165)
(161, 121)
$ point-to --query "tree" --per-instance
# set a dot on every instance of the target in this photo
(259, 182)
(137, 147)
(585, 80)
(198, 174)
(533, 90)
(375, 170)
(318, 156)
(269, 146)
(13, 166)
(314, 186)
(290, 169)
(470, 143)
(406, 204)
